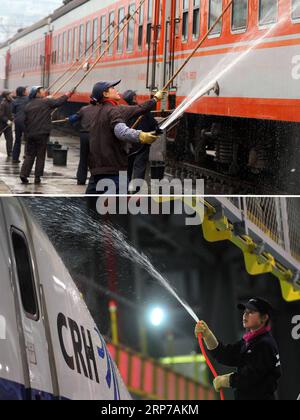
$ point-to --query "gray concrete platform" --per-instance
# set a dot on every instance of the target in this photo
(57, 180)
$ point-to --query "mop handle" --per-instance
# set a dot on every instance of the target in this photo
(208, 362)
(77, 61)
(3, 131)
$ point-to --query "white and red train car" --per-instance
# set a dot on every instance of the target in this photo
(254, 121)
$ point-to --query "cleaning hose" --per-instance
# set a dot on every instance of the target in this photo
(208, 362)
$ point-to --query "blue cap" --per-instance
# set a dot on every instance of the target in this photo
(34, 90)
(100, 88)
(128, 96)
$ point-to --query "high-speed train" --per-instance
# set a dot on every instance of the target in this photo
(50, 347)
(250, 131)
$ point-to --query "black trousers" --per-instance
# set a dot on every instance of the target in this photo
(137, 163)
(8, 134)
(19, 131)
(35, 151)
(82, 171)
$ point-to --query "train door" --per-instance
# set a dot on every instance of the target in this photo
(162, 36)
(25, 280)
(154, 40)
(172, 21)
(13, 367)
(46, 59)
(7, 70)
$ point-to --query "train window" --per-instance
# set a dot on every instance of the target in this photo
(36, 55)
(95, 34)
(131, 27)
(58, 48)
(215, 10)
(121, 16)
(141, 28)
(54, 50)
(103, 33)
(111, 32)
(239, 15)
(296, 9)
(25, 274)
(64, 47)
(75, 30)
(30, 57)
(185, 20)
(149, 22)
(80, 42)
(88, 39)
(27, 58)
(268, 12)
(196, 18)
(69, 45)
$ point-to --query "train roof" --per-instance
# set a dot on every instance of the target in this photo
(58, 13)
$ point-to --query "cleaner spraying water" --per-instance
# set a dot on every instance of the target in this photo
(256, 356)
(76, 219)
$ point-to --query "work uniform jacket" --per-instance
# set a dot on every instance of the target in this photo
(258, 367)
(18, 109)
(108, 155)
(5, 113)
(38, 115)
(85, 116)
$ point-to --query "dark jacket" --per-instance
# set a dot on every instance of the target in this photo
(147, 124)
(85, 116)
(5, 112)
(38, 115)
(18, 109)
(108, 155)
(258, 367)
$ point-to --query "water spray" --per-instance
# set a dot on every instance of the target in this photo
(110, 235)
(201, 42)
(216, 75)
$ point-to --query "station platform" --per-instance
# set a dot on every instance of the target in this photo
(56, 181)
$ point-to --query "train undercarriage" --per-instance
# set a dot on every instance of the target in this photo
(236, 155)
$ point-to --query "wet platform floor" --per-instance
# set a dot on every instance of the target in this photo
(57, 180)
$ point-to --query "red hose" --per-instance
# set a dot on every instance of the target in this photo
(209, 364)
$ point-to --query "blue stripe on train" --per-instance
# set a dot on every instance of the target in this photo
(12, 391)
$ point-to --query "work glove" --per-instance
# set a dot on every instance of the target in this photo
(9, 123)
(159, 96)
(222, 382)
(86, 66)
(148, 138)
(209, 338)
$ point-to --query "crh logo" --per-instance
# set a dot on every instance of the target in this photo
(84, 355)
(296, 329)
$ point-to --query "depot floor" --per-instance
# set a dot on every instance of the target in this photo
(57, 180)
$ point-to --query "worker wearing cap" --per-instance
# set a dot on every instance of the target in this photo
(6, 120)
(37, 130)
(110, 134)
(18, 109)
(139, 154)
(256, 356)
